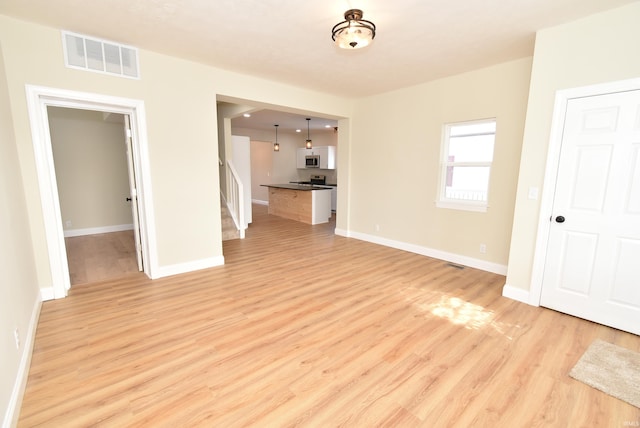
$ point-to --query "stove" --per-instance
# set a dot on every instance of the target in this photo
(314, 180)
(318, 180)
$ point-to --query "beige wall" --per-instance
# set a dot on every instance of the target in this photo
(91, 168)
(600, 48)
(180, 102)
(395, 151)
(19, 294)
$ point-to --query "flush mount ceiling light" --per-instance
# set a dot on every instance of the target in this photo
(354, 32)
(276, 146)
(308, 142)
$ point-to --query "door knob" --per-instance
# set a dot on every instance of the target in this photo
(128, 199)
(560, 219)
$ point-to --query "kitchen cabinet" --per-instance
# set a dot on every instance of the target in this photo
(326, 154)
(300, 158)
(308, 204)
(334, 198)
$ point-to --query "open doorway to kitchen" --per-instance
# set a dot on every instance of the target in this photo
(39, 100)
(257, 121)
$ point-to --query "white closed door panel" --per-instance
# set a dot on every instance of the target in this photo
(592, 267)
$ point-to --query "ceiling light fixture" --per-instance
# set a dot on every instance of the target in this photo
(354, 32)
(308, 142)
(276, 146)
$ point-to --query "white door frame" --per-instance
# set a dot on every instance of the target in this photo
(38, 99)
(551, 172)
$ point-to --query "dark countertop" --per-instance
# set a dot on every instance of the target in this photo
(308, 182)
(295, 187)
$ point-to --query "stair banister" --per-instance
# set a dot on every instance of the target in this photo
(235, 199)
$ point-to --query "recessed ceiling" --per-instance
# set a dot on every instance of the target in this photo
(288, 122)
(290, 40)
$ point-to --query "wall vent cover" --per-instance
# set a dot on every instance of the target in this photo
(102, 56)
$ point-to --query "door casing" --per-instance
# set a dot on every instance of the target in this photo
(551, 172)
(38, 99)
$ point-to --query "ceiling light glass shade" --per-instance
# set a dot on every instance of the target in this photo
(354, 32)
(308, 144)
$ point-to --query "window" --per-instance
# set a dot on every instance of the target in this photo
(465, 165)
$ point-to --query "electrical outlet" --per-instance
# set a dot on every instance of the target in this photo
(483, 248)
(377, 228)
(16, 335)
(68, 223)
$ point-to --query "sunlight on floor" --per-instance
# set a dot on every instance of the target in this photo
(459, 312)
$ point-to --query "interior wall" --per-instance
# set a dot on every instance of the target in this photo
(600, 48)
(395, 153)
(91, 169)
(180, 104)
(261, 169)
(19, 293)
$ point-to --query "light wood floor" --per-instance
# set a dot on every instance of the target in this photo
(102, 256)
(304, 328)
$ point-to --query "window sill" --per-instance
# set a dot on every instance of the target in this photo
(463, 206)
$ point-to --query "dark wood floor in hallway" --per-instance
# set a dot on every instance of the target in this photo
(304, 328)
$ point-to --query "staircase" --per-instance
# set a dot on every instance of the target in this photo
(229, 230)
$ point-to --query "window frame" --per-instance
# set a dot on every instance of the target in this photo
(444, 165)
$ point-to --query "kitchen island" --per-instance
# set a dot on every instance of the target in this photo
(305, 203)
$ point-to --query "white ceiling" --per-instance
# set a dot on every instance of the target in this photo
(290, 40)
(287, 122)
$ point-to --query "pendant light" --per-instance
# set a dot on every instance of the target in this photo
(276, 146)
(308, 142)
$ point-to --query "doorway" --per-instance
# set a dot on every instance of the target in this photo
(39, 99)
(93, 179)
(591, 232)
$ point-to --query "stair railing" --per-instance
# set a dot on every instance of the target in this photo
(235, 198)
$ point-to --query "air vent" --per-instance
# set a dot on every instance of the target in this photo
(102, 56)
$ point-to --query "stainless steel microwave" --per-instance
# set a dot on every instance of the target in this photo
(312, 161)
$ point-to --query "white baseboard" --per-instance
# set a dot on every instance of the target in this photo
(95, 230)
(515, 293)
(177, 269)
(15, 402)
(429, 252)
(259, 202)
(47, 294)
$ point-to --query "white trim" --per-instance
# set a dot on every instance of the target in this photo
(342, 232)
(463, 206)
(259, 202)
(429, 252)
(38, 99)
(187, 267)
(15, 401)
(47, 294)
(69, 233)
(514, 293)
(551, 172)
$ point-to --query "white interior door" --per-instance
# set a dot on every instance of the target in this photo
(133, 191)
(592, 267)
